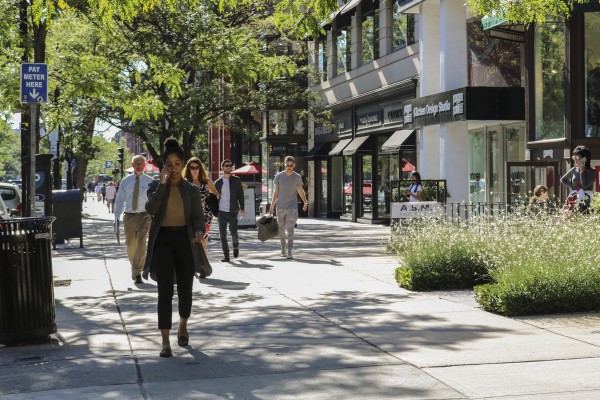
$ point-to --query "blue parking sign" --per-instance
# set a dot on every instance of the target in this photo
(34, 83)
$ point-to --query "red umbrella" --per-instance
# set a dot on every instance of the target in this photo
(248, 169)
(407, 167)
(367, 189)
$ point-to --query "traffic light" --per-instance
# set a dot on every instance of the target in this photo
(120, 155)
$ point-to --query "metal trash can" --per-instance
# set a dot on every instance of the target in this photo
(27, 309)
(66, 207)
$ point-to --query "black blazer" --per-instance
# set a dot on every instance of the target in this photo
(236, 192)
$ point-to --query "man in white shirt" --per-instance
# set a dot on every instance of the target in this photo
(131, 200)
(231, 203)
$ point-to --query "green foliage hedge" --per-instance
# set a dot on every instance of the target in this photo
(523, 265)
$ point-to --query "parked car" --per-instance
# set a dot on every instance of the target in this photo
(11, 194)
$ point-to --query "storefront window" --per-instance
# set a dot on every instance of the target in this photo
(592, 74)
(491, 61)
(403, 33)
(477, 176)
(549, 58)
(370, 34)
(490, 149)
(514, 148)
(322, 189)
(343, 51)
(347, 184)
(367, 189)
(387, 170)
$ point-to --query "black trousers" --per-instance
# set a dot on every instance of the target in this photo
(172, 258)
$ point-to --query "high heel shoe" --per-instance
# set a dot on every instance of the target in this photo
(183, 340)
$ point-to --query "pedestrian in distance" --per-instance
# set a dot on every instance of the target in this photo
(288, 185)
(415, 190)
(110, 197)
(231, 204)
(130, 200)
(103, 192)
(175, 249)
(539, 201)
(98, 190)
(195, 173)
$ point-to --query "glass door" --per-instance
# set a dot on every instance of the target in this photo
(525, 176)
(322, 186)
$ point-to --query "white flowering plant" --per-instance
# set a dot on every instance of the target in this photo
(519, 264)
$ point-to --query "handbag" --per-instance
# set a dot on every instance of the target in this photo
(213, 204)
(267, 227)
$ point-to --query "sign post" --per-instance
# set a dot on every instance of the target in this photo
(34, 90)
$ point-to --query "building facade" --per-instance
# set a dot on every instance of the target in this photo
(492, 108)
(368, 65)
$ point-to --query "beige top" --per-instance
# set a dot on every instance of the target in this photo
(174, 215)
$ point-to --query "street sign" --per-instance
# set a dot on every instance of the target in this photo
(34, 83)
(108, 164)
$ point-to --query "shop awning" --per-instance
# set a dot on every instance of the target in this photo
(355, 145)
(319, 150)
(396, 140)
(337, 150)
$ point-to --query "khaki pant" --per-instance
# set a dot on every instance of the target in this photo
(136, 234)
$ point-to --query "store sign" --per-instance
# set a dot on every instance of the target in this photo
(323, 130)
(436, 109)
(393, 116)
(278, 149)
(288, 149)
(418, 209)
(368, 120)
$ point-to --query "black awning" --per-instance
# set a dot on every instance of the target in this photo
(355, 145)
(396, 140)
(337, 150)
(319, 150)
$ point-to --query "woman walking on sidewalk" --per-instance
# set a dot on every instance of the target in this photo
(174, 250)
(194, 172)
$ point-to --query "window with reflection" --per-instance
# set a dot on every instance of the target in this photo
(370, 36)
(322, 60)
(343, 50)
(298, 123)
(403, 33)
(592, 74)
(549, 64)
(491, 61)
(278, 122)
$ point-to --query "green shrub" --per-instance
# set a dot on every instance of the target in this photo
(531, 265)
(437, 255)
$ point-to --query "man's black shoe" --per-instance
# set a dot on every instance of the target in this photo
(138, 279)
(236, 252)
(225, 259)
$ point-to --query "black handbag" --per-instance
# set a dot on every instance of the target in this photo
(213, 204)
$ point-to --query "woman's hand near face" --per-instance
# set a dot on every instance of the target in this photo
(164, 176)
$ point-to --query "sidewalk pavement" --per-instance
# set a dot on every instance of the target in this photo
(330, 324)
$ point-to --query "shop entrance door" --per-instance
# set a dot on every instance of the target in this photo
(524, 176)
